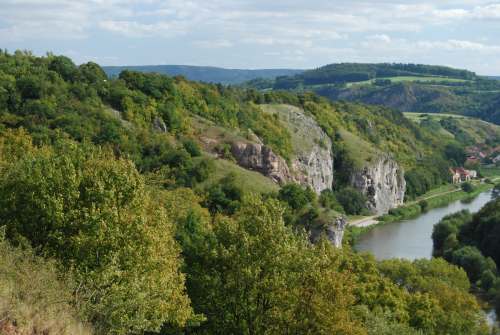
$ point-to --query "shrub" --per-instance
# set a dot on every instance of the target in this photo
(33, 297)
(467, 187)
(352, 200)
(93, 213)
(192, 147)
(424, 205)
(296, 196)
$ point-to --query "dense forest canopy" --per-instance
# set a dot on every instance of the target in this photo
(406, 87)
(208, 74)
(356, 72)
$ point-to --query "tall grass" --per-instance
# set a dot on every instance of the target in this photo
(33, 299)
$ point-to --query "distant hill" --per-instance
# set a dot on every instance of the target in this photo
(206, 74)
(406, 87)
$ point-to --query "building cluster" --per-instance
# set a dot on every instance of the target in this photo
(460, 175)
(483, 154)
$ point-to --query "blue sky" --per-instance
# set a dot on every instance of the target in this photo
(258, 33)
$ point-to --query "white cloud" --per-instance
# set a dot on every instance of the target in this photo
(380, 38)
(213, 44)
(137, 29)
(293, 32)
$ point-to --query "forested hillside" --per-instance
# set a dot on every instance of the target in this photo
(406, 87)
(208, 74)
(126, 194)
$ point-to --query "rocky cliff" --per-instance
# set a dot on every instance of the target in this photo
(383, 184)
(312, 162)
(333, 232)
(258, 157)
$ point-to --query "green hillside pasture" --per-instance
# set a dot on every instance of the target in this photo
(429, 79)
(249, 181)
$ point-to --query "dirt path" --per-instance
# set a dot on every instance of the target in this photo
(364, 221)
(371, 220)
(433, 196)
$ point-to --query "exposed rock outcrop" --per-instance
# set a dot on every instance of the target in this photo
(261, 158)
(383, 184)
(312, 162)
(333, 232)
(159, 124)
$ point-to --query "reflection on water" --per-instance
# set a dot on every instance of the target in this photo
(411, 239)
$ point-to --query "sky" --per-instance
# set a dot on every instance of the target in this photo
(258, 33)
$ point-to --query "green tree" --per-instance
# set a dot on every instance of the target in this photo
(352, 200)
(296, 196)
(92, 212)
(258, 277)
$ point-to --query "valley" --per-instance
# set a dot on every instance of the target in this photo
(183, 193)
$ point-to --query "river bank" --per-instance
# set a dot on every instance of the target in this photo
(436, 198)
(412, 239)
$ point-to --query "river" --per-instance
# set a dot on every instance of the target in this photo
(412, 239)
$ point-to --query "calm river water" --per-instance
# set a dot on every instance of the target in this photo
(411, 239)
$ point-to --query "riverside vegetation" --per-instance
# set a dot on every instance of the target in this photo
(123, 222)
(471, 242)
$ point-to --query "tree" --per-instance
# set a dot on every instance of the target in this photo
(467, 187)
(64, 67)
(35, 297)
(258, 277)
(483, 231)
(444, 233)
(92, 212)
(440, 303)
(352, 200)
(456, 153)
(296, 196)
(472, 261)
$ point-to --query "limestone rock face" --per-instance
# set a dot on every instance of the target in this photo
(159, 124)
(261, 158)
(383, 184)
(333, 232)
(312, 162)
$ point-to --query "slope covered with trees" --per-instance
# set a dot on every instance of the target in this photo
(107, 181)
(406, 87)
(208, 74)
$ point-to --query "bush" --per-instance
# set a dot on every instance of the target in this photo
(352, 200)
(192, 147)
(467, 187)
(296, 196)
(94, 214)
(33, 297)
(424, 205)
(327, 199)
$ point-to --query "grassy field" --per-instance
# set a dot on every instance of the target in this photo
(492, 173)
(425, 79)
(250, 181)
(418, 116)
(365, 152)
(400, 79)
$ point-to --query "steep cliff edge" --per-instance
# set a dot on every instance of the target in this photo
(312, 162)
(258, 157)
(382, 182)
